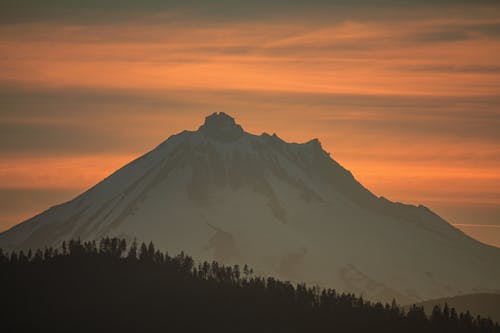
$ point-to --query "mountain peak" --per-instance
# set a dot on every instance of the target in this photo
(219, 119)
(221, 126)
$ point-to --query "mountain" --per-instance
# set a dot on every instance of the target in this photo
(285, 209)
(486, 305)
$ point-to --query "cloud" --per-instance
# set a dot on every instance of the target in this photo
(112, 11)
(477, 225)
(488, 29)
(344, 56)
(458, 31)
(443, 68)
(73, 121)
(441, 36)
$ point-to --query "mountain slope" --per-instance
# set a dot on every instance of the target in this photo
(486, 305)
(286, 209)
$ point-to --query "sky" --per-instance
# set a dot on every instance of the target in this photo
(404, 94)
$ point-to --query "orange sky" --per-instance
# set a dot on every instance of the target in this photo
(409, 102)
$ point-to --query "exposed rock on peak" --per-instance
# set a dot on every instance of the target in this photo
(222, 127)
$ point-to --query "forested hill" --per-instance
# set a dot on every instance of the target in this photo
(113, 287)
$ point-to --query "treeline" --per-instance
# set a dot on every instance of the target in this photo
(114, 287)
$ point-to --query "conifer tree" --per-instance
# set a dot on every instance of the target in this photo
(132, 252)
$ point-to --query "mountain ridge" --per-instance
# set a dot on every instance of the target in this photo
(486, 305)
(287, 209)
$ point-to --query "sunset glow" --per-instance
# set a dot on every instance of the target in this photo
(408, 102)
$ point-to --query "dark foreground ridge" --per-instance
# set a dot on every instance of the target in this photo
(112, 287)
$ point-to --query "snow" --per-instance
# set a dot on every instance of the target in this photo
(285, 209)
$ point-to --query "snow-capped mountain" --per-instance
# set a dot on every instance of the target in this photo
(285, 209)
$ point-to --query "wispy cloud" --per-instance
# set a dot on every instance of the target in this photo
(477, 225)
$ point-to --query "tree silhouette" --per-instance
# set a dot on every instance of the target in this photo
(89, 287)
